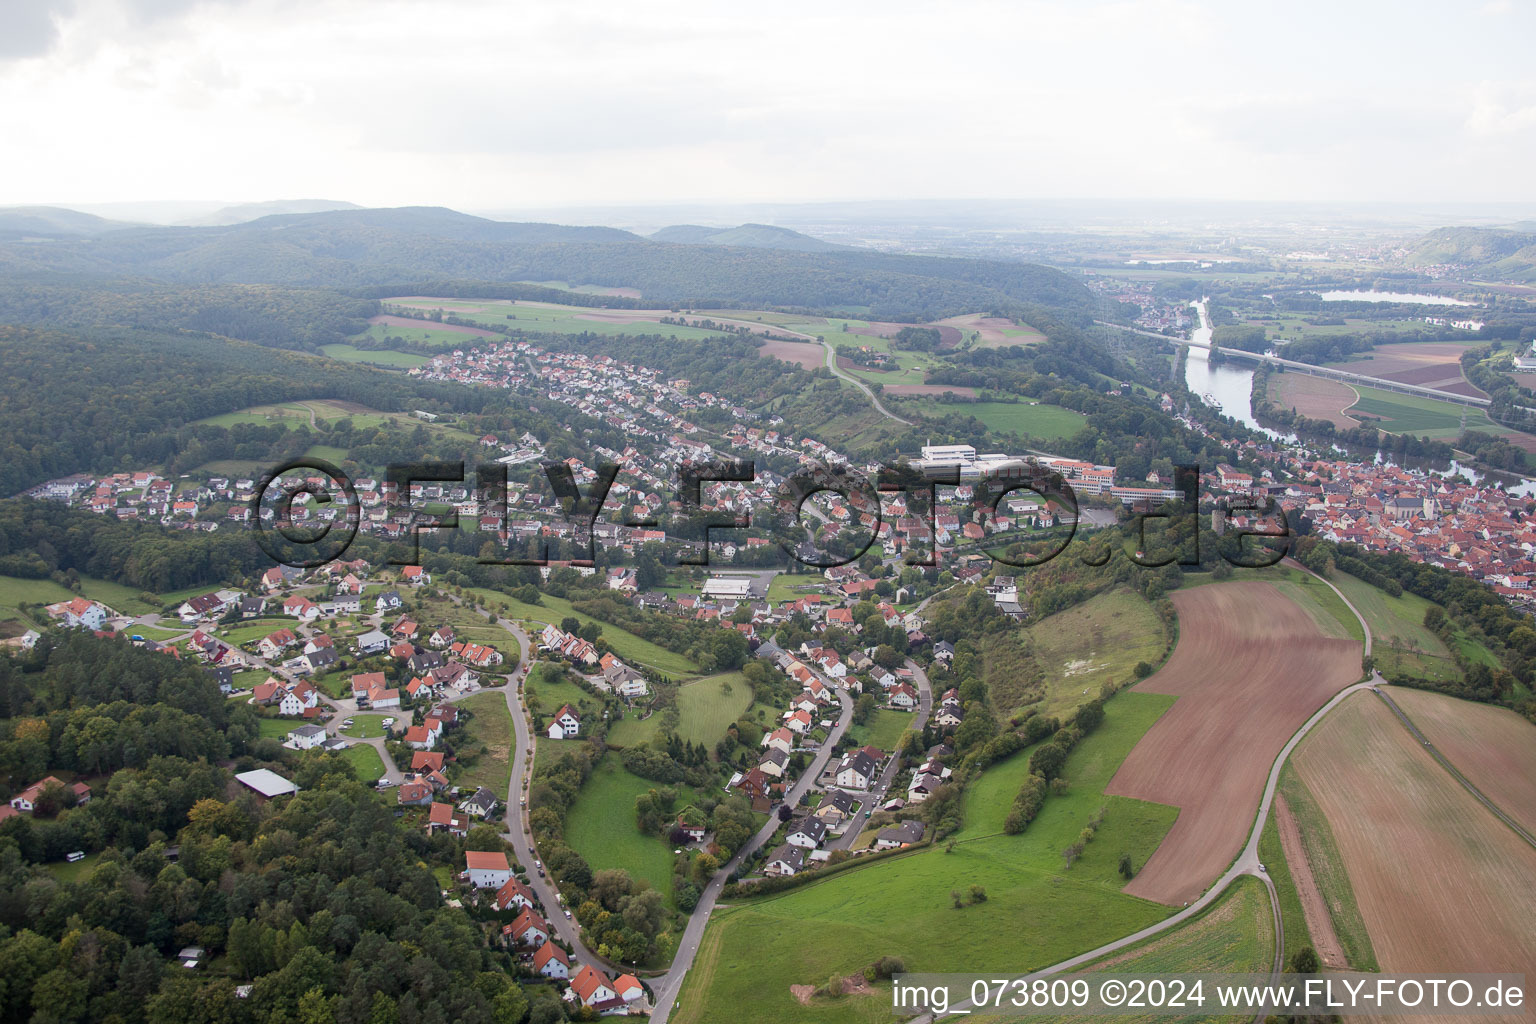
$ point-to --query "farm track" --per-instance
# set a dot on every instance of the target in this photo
(1246, 864)
(1466, 783)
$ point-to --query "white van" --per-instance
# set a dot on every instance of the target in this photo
(78, 855)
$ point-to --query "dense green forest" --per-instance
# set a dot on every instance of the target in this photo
(323, 902)
(300, 318)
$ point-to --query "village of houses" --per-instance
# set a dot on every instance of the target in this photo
(347, 613)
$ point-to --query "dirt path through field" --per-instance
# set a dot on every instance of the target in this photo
(1324, 940)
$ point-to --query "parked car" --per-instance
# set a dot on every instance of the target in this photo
(78, 855)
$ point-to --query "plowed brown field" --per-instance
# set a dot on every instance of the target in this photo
(1251, 666)
(1441, 883)
(1493, 747)
(1316, 398)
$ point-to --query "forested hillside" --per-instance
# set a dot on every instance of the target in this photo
(118, 398)
(300, 318)
(364, 247)
(324, 903)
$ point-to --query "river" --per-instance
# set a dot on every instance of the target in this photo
(1228, 387)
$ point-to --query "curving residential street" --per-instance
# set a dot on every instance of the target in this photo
(667, 986)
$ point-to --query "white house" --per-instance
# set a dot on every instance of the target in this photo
(593, 988)
(785, 860)
(487, 870)
(565, 725)
(306, 737)
(806, 833)
(856, 769)
(79, 613)
(552, 962)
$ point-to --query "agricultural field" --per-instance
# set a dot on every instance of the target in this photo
(1046, 422)
(1093, 643)
(1331, 615)
(601, 825)
(1427, 364)
(1250, 666)
(1405, 826)
(491, 727)
(1283, 326)
(374, 357)
(1312, 857)
(1410, 414)
(754, 951)
(1495, 748)
(546, 317)
(419, 332)
(1316, 398)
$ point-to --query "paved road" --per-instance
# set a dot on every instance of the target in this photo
(831, 356)
(1246, 863)
(876, 796)
(517, 790)
(667, 987)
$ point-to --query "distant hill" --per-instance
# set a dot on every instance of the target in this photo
(242, 212)
(54, 220)
(751, 236)
(371, 249)
(1502, 253)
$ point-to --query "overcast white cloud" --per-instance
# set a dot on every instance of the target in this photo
(493, 105)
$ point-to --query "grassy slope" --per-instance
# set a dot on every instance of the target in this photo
(1093, 643)
(752, 953)
(624, 643)
(1046, 422)
(365, 761)
(601, 825)
(492, 727)
(883, 729)
(1397, 626)
(1234, 935)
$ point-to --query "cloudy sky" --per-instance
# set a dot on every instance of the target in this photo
(488, 104)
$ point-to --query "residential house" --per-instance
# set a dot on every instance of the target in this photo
(528, 929)
(551, 962)
(487, 870)
(26, 800)
(593, 988)
(565, 725)
(79, 614)
(905, 834)
(513, 894)
(835, 807)
(856, 769)
(806, 833)
(306, 737)
(482, 804)
(784, 860)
